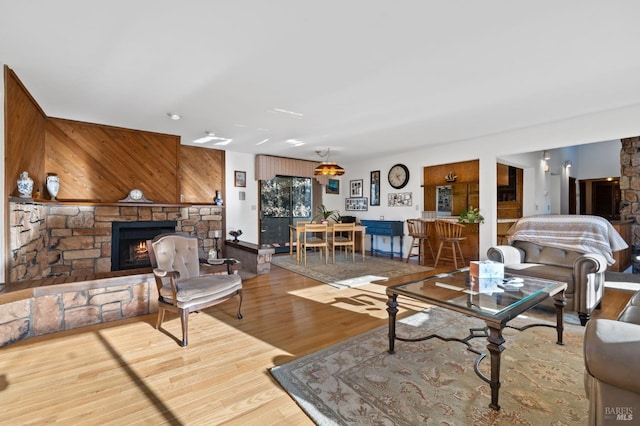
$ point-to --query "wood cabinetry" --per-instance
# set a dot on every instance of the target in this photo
(623, 257)
(509, 192)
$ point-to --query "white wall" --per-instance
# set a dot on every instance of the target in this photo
(605, 126)
(4, 196)
(241, 214)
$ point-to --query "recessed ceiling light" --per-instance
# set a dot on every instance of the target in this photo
(263, 141)
(174, 116)
(212, 137)
(295, 142)
(286, 111)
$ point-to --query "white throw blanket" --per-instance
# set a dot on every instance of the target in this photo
(581, 233)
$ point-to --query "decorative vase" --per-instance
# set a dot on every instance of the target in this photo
(218, 199)
(25, 185)
(53, 185)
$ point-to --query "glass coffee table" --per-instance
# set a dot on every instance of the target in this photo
(495, 301)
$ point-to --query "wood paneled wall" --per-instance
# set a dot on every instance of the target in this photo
(201, 174)
(24, 134)
(103, 163)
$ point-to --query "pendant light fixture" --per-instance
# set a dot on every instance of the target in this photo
(328, 168)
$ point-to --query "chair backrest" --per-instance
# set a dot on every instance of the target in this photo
(419, 228)
(315, 231)
(340, 229)
(174, 252)
(449, 229)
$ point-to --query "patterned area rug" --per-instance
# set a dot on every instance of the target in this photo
(433, 382)
(345, 273)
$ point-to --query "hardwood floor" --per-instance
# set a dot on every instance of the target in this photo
(126, 372)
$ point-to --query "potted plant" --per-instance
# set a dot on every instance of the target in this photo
(325, 214)
(471, 215)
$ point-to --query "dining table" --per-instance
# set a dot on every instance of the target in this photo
(296, 231)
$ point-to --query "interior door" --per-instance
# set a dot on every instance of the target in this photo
(283, 201)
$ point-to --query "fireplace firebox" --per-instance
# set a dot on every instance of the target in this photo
(129, 242)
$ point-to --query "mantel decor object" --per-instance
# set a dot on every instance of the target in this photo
(25, 185)
(53, 185)
(235, 235)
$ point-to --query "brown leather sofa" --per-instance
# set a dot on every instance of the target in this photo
(612, 367)
(583, 272)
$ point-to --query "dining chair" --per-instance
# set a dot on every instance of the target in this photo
(181, 286)
(315, 235)
(420, 233)
(343, 235)
(450, 234)
(293, 231)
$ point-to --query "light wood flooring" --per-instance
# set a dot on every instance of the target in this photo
(126, 372)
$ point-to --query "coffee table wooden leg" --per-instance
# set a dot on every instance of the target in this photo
(392, 309)
(495, 348)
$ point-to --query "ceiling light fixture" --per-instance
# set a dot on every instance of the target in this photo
(286, 111)
(212, 137)
(545, 155)
(174, 116)
(328, 167)
(263, 141)
(295, 142)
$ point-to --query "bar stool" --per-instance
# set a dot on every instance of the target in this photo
(450, 235)
(420, 233)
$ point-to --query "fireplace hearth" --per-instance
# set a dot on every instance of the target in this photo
(129, 242)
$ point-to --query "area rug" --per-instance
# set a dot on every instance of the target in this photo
(345, 273)
(358, 382)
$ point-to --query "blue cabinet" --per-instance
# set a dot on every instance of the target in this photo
(386, 228)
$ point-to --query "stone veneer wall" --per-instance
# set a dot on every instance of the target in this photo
(630, 184)
(48, 240)
(67, 306)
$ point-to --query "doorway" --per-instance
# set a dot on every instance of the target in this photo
(284, 201)
(600, 197)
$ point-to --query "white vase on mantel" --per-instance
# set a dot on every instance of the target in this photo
(25, 185)
(53, 185)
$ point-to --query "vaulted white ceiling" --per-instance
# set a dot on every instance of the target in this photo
(361, 77)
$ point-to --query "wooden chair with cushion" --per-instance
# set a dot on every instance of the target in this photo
(450, 234)
(420, 233)
(181, 287)
(315, 235)
(343, 236)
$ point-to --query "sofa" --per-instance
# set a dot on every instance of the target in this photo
(612, 367)
(575, 249)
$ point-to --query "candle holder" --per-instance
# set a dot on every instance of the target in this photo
(215, 247)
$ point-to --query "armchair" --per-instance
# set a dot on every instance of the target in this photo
(181, 287)
(575, 249)
(612, 367)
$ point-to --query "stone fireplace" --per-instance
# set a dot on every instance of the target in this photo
(55, 239)
(129, 242)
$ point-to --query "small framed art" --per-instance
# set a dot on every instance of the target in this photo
(356, 188)
(240, 178)
(374, 195)
(356, 204)
(333, 186)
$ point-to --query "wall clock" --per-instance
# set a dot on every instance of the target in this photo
(398, 176)
(135, 196)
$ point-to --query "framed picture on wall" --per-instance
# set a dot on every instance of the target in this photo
(240, 178)
(356, 204)
(356, 188)
(374, 195)
(400, 199)
(333, 186)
